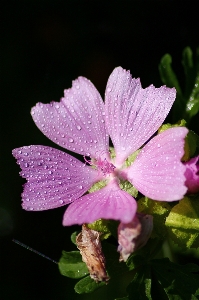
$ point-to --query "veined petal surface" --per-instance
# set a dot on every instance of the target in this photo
(77, 122)
(133, 114)
(54, 178)
(108, 203)
(157, 171)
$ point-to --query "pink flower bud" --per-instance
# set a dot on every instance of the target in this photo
(192, 175)
(134, 235)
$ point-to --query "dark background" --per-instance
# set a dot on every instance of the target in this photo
(44, 46)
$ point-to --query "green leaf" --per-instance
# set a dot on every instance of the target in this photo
(183, 223)
(87, 285)
(162, 279)
(169, 78)
(125, 298)
(159, 210)
(71, 265)
(192, 106)
(189, 70)
(101, 225)
(167, 74)
(178, 282)
(140, 287)
(73, 237)
(181, 123)
(191, 145)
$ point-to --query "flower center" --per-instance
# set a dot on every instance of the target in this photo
(104, 166)
(101, 165)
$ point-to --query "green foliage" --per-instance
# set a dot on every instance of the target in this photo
(73, 237)
(159, 210)
(162, 279)
(87, 285)
(101, 225)
(71, 265)
(186, 104)
(183, 223)
(168, 125)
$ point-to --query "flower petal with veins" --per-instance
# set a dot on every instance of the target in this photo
(77, 122)
(108, 203)
(134, 114)
(157, 171)
(54, 178)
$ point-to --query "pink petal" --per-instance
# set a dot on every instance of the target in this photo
(54, 178)
(77, 122)
(134, 114)
(157, 171)
(192, 175)
(108, 203)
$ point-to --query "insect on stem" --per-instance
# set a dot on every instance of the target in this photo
(33, 250)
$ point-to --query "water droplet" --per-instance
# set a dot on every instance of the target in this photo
(79, 127)
(81, 187)
(61, 201)
(109, 90)
(71, 140)
(26, 165)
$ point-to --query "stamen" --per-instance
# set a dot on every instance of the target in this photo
(102, 165)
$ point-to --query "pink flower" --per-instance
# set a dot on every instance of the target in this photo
(81, 122)
(192, 175)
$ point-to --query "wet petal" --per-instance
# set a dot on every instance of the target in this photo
(157, 171)
(134, 114)
(54, 178)
(108, 203)
(77, 122)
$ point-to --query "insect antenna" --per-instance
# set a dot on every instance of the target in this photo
(33, 250)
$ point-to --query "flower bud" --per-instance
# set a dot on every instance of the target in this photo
(192, 175)
(134, 235)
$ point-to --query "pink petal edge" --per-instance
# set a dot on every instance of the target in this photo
(108, 203)
(158, 172)
(77, 122)
(134, 114)
(54, 178)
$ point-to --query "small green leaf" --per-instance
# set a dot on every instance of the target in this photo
(101, 225)
(87, 285)
(192, 106)
(183, 223)
(167, 74)
(73, 237)
(71, 265)
(189, 70)
(125, 298)
(178, 282)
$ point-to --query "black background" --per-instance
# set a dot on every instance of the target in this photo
(44, 46)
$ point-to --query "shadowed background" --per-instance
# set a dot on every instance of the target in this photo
(44, 46)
